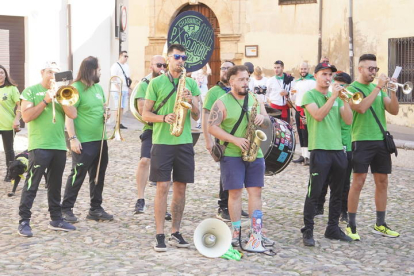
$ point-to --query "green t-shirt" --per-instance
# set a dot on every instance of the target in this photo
(346, 135)
(43, 134)
(364, 126)
(324, 135)
(9, 96)
(157, 91)
(233, 111)
(90, 106)
(142, 89)
(212, 95)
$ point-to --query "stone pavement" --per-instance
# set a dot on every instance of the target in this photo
(124, 246)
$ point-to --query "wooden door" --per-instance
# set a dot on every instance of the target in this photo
(215, 61)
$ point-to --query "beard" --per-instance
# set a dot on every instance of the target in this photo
(95, 79)
(224, 80)
(154, 74)
(243, 91)
(303, 74)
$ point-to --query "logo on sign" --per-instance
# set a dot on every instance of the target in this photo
(192, 30)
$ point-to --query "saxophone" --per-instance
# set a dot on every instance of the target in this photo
(254, 135)
(180, 107)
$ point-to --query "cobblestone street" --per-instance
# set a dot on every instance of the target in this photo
(124, 246)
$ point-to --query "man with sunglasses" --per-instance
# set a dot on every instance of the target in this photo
(157, 67)
(121, 69)
(170, 153)
(368, 145)
(324, 111)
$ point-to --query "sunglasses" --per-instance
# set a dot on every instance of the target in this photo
(224, 68)
(126, 56)
(372, 69)
(177, 57)
(159, 65)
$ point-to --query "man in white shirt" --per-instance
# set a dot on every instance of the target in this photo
(121, 69)
(278, 88)
(305, 83)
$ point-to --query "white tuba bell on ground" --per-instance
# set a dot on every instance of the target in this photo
(212, 238)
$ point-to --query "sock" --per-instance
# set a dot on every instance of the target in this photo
(352, 219)
(306, 154)
(380, 218)
(236, 225)
(303, 152)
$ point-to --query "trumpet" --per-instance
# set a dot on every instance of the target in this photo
(407, 87)
(347, 96)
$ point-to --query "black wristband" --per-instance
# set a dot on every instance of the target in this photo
(163, 119)
(71, 138)
(46, 103)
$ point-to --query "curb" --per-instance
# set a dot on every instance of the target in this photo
(404, 144)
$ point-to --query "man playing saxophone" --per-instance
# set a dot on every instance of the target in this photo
(171, 153)
(235, 172)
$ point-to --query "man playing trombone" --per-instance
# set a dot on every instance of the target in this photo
(85, 134)
(368, 145)
(47, 149)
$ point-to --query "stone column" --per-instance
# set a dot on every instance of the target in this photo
(229, 48)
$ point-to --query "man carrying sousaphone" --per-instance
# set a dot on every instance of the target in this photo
(47, 149)
(171, 153)
(157, 67)
(229, 122)
(85, 134)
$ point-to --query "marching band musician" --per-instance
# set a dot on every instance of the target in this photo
(157, 66)
(213, 94)
(47, 149)
(85, 134)
(369, 149)
(305, 83)
(236, 173)
(324, 111)
(170, 153)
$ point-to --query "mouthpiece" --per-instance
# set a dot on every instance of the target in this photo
(162, 72)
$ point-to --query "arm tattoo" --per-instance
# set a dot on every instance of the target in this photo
(216, 116)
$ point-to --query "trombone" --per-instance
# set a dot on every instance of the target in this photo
(117, 129)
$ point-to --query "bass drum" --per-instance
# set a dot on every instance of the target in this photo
(279, 147)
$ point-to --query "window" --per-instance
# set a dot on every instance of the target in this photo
(295, 2)
(401, 53)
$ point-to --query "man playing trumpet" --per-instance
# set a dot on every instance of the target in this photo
(47, 149)
(369, 149)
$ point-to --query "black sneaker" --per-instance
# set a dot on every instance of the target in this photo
(299, 160)
(177, 240)
(61, 225)
(344, 218)
(244, 214)
(160, 243)
(168, 216)
(24, 229)
(68, 216)
(99, 214)
(337, 234)
(318, 211)
(140, 206)
(223, 214)
(308, 237)
(121, 126)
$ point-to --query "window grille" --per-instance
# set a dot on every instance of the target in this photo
(401, 53)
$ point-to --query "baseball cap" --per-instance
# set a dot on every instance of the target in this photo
(344, 77)
(51, 65)
(325, 65)
(249, 66)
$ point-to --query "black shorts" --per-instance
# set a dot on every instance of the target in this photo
(146, 143)
(176, 158)
(372, 154)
